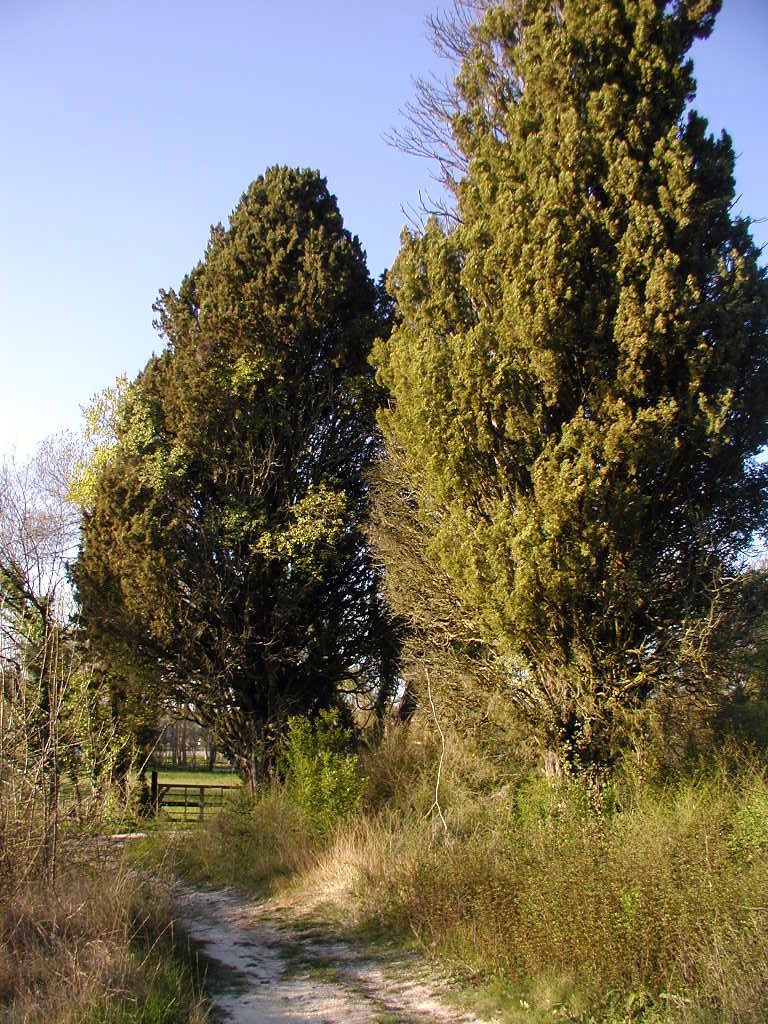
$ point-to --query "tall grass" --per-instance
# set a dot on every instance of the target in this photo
(96, 948)
(82, 940)
(661, 904)
(253, 844)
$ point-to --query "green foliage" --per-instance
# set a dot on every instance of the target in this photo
(94, 745)
(749, 838)
(223, 548)
(322, 774)
(102, 417)
(579, 379)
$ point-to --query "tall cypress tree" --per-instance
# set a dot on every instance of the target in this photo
(579, 372)
(224, 546)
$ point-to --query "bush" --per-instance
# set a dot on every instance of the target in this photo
(399, 768)
(322, 774)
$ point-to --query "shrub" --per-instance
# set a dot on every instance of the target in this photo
(399, 768)
(322, 774)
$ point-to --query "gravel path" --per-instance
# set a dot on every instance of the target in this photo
(271, 963)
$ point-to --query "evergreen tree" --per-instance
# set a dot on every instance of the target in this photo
(579, 371)
(223, 548)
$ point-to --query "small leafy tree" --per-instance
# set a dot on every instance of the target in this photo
(54, 716)
(322, 773)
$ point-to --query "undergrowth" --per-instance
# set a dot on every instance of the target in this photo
(647, 905)
(645, 901)
(252, 845)
(257, 842)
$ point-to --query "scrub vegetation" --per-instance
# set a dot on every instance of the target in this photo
(644, 901)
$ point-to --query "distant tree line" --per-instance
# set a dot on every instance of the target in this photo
(183, 743)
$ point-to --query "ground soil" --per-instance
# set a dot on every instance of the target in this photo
(285, 961)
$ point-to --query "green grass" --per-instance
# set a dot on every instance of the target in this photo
(170, 992)
(198, 777)
(215, 800)
(111, 814)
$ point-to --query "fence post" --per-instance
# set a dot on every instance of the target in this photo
(202, 803)
(153, 792)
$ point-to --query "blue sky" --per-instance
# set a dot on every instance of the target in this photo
(129, 128)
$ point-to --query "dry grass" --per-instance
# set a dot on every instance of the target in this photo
(252, 845)
(653, 912)
(355, 851)
(96, 948)
(82, 939)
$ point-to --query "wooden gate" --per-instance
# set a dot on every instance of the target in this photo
(187, 800)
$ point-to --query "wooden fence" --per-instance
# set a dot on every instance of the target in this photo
(185, 800)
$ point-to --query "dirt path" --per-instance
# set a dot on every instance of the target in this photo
(273, 962)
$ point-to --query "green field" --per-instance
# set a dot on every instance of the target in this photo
(198, 777)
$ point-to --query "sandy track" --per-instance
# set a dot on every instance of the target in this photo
(268, 963)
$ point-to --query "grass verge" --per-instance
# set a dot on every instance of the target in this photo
(95, 949)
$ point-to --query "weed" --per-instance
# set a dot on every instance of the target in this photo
(651, 912)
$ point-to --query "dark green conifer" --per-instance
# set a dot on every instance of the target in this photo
(224, 547)
(579, 371)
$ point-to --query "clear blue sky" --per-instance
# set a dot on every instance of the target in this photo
(129, 126)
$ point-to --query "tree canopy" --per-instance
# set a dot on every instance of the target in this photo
(579, 369)
(222, 545)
